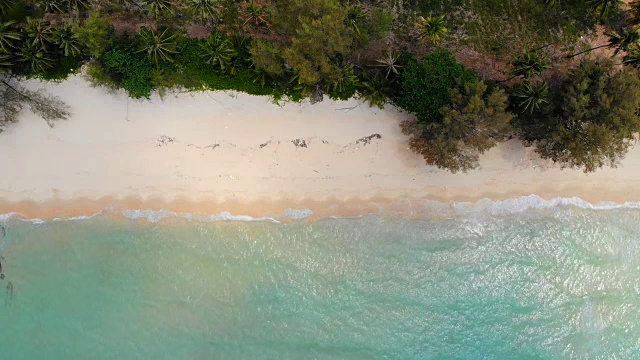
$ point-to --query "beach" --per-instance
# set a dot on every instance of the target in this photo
(335, 241)
(210, 152)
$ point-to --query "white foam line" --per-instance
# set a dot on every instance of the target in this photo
(484, 206)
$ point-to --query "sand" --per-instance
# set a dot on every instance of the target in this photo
(223, 151)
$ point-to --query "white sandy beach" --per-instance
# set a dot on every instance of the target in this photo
(228, 151)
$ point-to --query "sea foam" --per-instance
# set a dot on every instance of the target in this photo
(482, 207)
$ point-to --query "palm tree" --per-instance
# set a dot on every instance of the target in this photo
(205, 9)
(432, 28)
(374, 89)
(158, 46)
(354, 15)
(604, 6)
(389, 61)
(8, 35)
(6, 60)
(552, 3)
(532, 96)
(34, 57)
(620, 41)
(218, 50)
(633, 56)
(157, 8)
(634, 10)
(77, 5)
(530, 64)
(66, 41)
(255, 13)
(38, 32)
(343, 79)
(53, 6)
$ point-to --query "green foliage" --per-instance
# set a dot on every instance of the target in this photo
(159, 46)
(159, 8)
(61, 69)
(426, 84)
(507, 27)
(96, 35)
(319, 42)
(9, 36)
(34, 58)
(390, 63)
(67, 43)
(531, 97)
(530, 64)
(197, 74)
(131, 70)
(98, 75)
(266, 57)
(473, 123)
(317, 37)
(64, 6)
(205, 10)
(218, 51)
(374, 89)
(432, 28)
(343, 84)
(13, 98)
(592, 119)
(38, 33)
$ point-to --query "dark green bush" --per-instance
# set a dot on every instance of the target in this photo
(131, 70)
(425, 85)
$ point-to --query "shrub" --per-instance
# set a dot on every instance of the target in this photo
(426, 84)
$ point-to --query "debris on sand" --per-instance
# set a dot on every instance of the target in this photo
(164, 140)
(367, 139)
(299, 143)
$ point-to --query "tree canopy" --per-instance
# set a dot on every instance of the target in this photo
(426, 84)
(592, 120)
(475, 121)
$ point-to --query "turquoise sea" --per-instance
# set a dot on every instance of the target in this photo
(521, 279)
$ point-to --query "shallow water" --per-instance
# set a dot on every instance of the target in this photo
(553, 282)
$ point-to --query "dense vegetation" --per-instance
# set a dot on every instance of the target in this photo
(473, 73)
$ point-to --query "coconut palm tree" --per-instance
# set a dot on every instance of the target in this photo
(343, 79)
(66, 41)
(159, 46)
(205, 10)
(374, 89)
(619, 41)
(255, 13)
(604, 6)
(531, 97)
(158, 8)
(530, 64)
(389, 63)
(53, 6)
(432, 28)
(633, 56)
(38, 32)
(8, 35)
(6, 60)
(35, 57)
(217, 50)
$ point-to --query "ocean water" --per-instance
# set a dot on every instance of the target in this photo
(506, 280)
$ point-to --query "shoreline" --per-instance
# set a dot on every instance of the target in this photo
(212, 152)
(286, 212)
